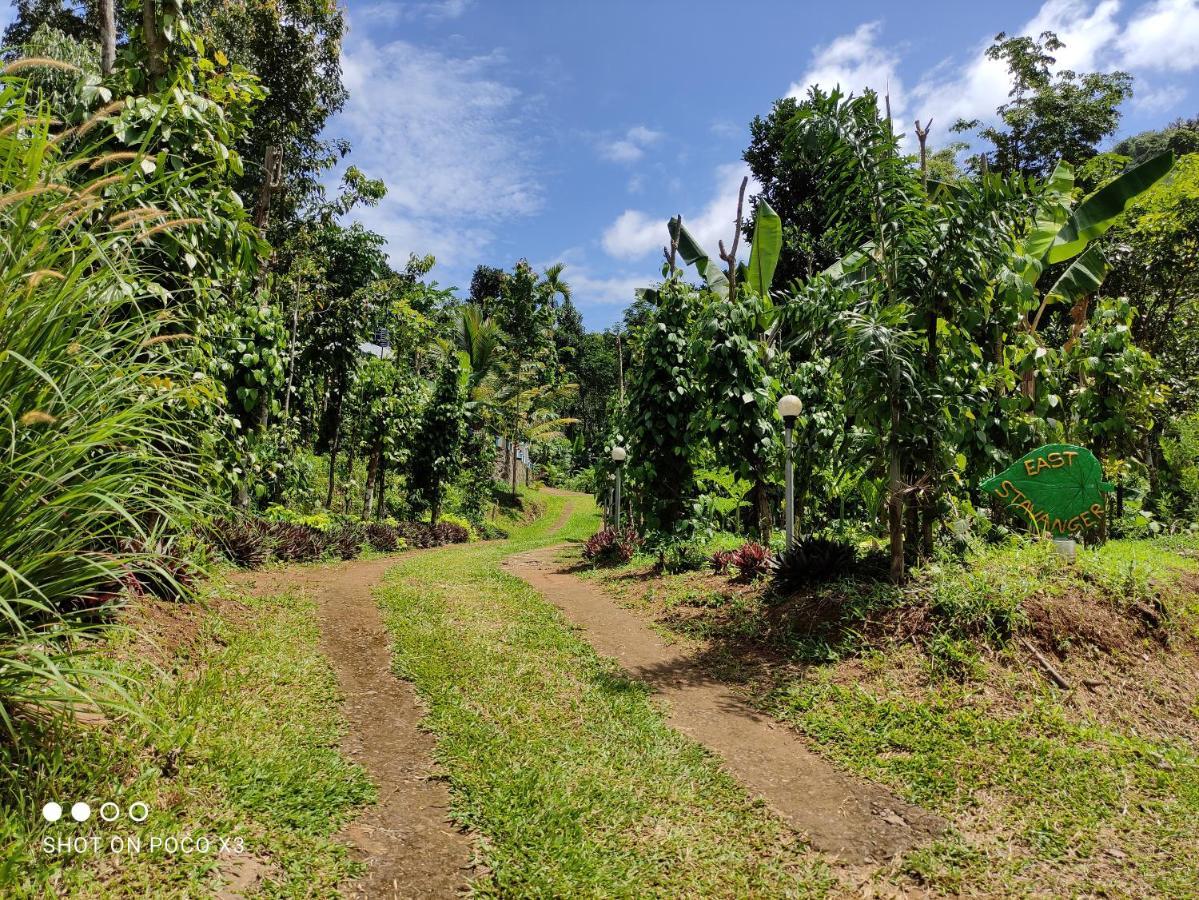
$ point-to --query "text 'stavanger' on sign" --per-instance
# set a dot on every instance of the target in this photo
(1059, 487)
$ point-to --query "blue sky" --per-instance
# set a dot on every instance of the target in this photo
(571, 130)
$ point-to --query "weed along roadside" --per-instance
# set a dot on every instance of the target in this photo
(558, 762)
(392, 505)
(1065, 775)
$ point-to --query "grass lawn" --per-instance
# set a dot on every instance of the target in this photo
(562, 765)
(1090, 792)
(243, 746)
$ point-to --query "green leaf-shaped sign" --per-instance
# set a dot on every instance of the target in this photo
(1058, 487)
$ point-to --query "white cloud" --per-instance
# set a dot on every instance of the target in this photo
(974, 90)
(723, 128)
(1087, 32)
(636, 234)
(599, 295)
(855, 62)
(389, 13)
(632, 146)
(1160, 99)
(1160, 34)
(442, 132)
(1165, 35)
(613, 290)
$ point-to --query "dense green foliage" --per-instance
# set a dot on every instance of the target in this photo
(204, 357)
(195, 333)
(950, 328)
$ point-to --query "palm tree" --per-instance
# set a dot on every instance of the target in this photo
(553, 284)
(481, 340)
(530, 413)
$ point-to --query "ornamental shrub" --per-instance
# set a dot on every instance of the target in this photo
(609, 546)
(751, 560)
(813, 560)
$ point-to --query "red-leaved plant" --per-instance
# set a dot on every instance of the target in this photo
(611, 546)
(721, 561)
(752, 560)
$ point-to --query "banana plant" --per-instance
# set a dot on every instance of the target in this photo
(763, 255)
(1063, 232)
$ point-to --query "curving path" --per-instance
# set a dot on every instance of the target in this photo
(410, 847)
(406, 839)
(857, 821)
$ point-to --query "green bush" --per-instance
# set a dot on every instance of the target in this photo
(461, 522)
(681, 556)
(321, 520)
(99, 454)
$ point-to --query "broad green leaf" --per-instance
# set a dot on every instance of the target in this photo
(850, 263)
(693, 255)
(1082, 278)
(1061, 180)
(1058, 488)
(1098, 212)
(767, 245)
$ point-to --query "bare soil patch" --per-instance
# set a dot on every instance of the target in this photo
(857, 821)
(410, 846)
(1125, 669)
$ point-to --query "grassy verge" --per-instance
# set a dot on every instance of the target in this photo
(1094, 791)
(562, 765)
(243, 747)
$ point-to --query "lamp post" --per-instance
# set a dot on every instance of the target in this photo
(790, 407)
(619, 454)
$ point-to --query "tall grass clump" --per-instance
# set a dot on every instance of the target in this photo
(97, 442)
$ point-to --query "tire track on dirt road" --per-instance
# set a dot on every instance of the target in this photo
(406, 839)
(855, 820)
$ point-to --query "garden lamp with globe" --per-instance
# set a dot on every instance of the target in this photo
(790, 407)
(619, 454)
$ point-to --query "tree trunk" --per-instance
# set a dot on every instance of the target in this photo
(334, 445)
(895, 515)
(108, 37)
(271, 168)
(911, 538)
(620, 367)
(932, 497)
(381, 507)
(762, 510)
(895, 486)
(156, 63)
(346, 499)
(291, 353)
(512, 468)
(372, 474)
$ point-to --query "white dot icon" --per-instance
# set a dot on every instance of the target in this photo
(80, 812)
(51, 812)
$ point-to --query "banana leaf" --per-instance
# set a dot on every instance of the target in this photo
(767, 245)
(1098, 212)
(1082, 278)
(693, 255)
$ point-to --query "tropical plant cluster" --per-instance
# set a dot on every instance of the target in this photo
(201, 349)
(937, 319)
